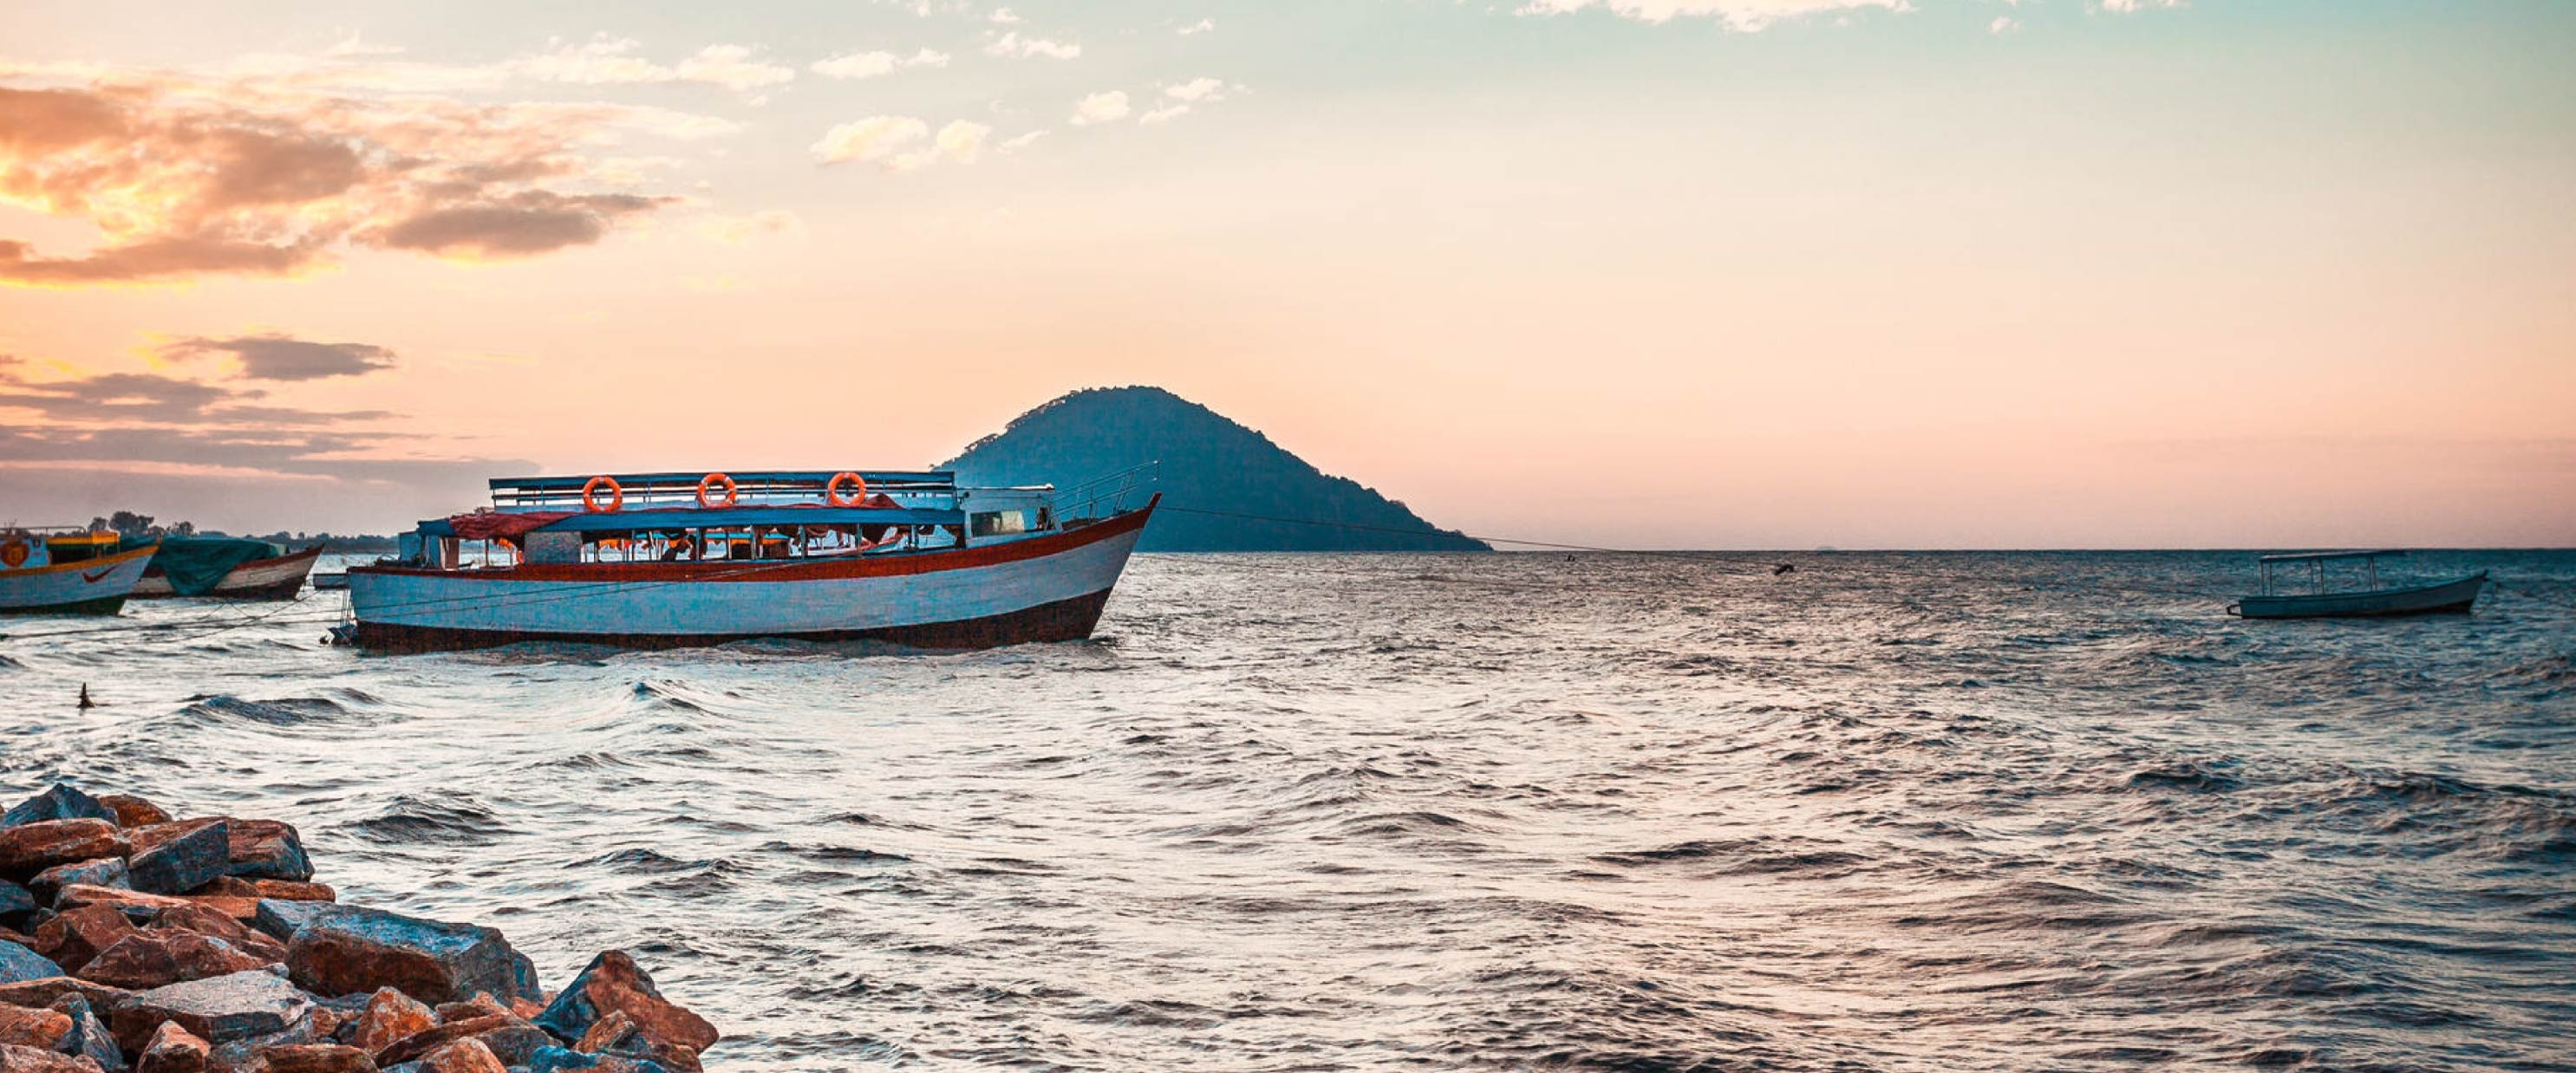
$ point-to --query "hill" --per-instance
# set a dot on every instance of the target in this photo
(1208, 463)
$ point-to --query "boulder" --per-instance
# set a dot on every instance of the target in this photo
(218, 1010)
(33, 1028)
(462, 1056)
(289, 890)
(89, 1037)
(391, 1017)
(45, 991)
(18, 963)
(615, 983)
(72, 938)
(164, 956)
(135, 904)
(515, 1042)
(99, 872)
(560, 1060)
(315, 1058)
(481, 1005)
(171, 1049)
(267, 849)
(617, 1034)
(181, 861)
(418, 1045)
(346, 950)
(63, 802)
(16, 1059)
(132, 811)
(280, 919)
(204, 921)
(30, 848)
(15, 900)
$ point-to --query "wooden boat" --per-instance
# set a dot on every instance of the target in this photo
(2455, 596)
(67, 573)
(671, 560)
(276, 575)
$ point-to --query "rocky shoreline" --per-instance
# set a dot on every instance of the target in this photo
(131, 940)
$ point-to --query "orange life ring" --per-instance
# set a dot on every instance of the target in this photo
(590, 495)
(832, 490)
(711, 480)
(14, 553)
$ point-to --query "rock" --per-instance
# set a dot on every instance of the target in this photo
(557, 1059)
(204, 921)
(100, 872)
(33, 1028)
(164, 956)
(132, 811)
(481, 1005)
(420, 1044)
(18, 963)
(280, 920)
(462, 1056)
(613, 982)
(344, 950)
(315, 1058)
(289, 890)
(267, 849)
(181, 862)
(63, 802)
(15, 900)
(30, 848)
(15, 1059)
(172, 1050)
(44, 992)
(135, 904)
(218, 1010)
(72, 938)
(515, 1042)
(391, 1017)
(617, 1034)
(89, 1037)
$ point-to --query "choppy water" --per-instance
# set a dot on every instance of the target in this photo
(1892, 812)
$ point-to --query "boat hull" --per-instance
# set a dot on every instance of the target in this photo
(1049, 588)
(2448, 598)
(280, 578)
(88, 587)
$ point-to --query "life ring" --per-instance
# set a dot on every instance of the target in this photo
(832, 490)
(590, 495)
(14, 552)
(711, 480)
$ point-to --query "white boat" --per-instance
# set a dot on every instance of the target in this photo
(278, 576)
(2454, 596)
(67, 573)
(672, 560)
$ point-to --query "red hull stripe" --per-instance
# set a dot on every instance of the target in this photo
(828, 569)
(1063, 620)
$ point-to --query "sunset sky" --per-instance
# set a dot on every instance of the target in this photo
(1674, 273)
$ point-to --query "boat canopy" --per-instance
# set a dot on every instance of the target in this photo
(674, 489)
(2321, 556)
(660, 519)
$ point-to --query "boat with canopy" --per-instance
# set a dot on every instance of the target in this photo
(2370, 600)
(66, 571)
(660, 560)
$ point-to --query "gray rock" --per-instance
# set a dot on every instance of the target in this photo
(104, 872)
(346, 949)
(15, 900)
(282, 919)
(63, 802)
(89, 1037)
(249, 1005)
(185, 863)
(19, 964)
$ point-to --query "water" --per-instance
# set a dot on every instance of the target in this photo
(1891, 812)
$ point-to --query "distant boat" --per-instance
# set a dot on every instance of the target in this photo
(326, 580)
(68, 573)
(2455, 596)
(666, 560)
(227, 568)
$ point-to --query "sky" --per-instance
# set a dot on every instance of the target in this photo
(1638, 273)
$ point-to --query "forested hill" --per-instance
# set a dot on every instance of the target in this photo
(1209, 463)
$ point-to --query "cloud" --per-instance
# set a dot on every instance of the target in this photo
(1746, 15)
(1097, 108)
(873, 138)
(1023, 141)
(734, 68)
(2003, 24)
(187, 176)
(611, 61)
(1012, 44)
(1002, 16)
(281, 357)
(1199, 27)
(962, 141)
(2129, 6)
(741, 230)
(1197, 89)
(876, 64)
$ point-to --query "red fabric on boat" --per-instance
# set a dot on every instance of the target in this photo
(495, 525)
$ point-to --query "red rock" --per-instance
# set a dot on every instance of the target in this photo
(462, 1056)
(150, 837)
(72, 938)
(607, 1032)
(205, 921)
(419, 1044)
(227, 887)
(33, 1028)
(391, 1017)
(613, 982)
(133, 903)
(289, 890)
(15, 1059)
(344, 950)
(241, 909)
(164, 956)
(267, 849)
(132, 811)
(45, 991)
(99, 872)
(481, 1005)
(172, 1050)
(315, 1058)
(33, 847)
(617, 1034)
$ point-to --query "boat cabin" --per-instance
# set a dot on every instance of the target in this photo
(47, 546)
(2281, 570)
(721, 517)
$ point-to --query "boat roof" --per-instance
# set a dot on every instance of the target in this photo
(525, 492)
(2307, 556)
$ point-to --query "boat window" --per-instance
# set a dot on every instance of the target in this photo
(1000, 522)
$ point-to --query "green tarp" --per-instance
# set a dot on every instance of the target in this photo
(195, 564)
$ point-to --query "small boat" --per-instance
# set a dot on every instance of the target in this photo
(666, 560)
(2455, 596)
(327, 580)
(67, 572)
(226, 567)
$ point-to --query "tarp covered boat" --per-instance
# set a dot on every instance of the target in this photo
(229, 567)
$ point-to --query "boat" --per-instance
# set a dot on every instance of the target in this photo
(2455, 596)
(667, 560)
(67, 572)
(327, 580)
(226, 567)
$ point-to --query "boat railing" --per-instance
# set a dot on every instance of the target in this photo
(653, 490)
(1116, 491)
(2316, 562)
